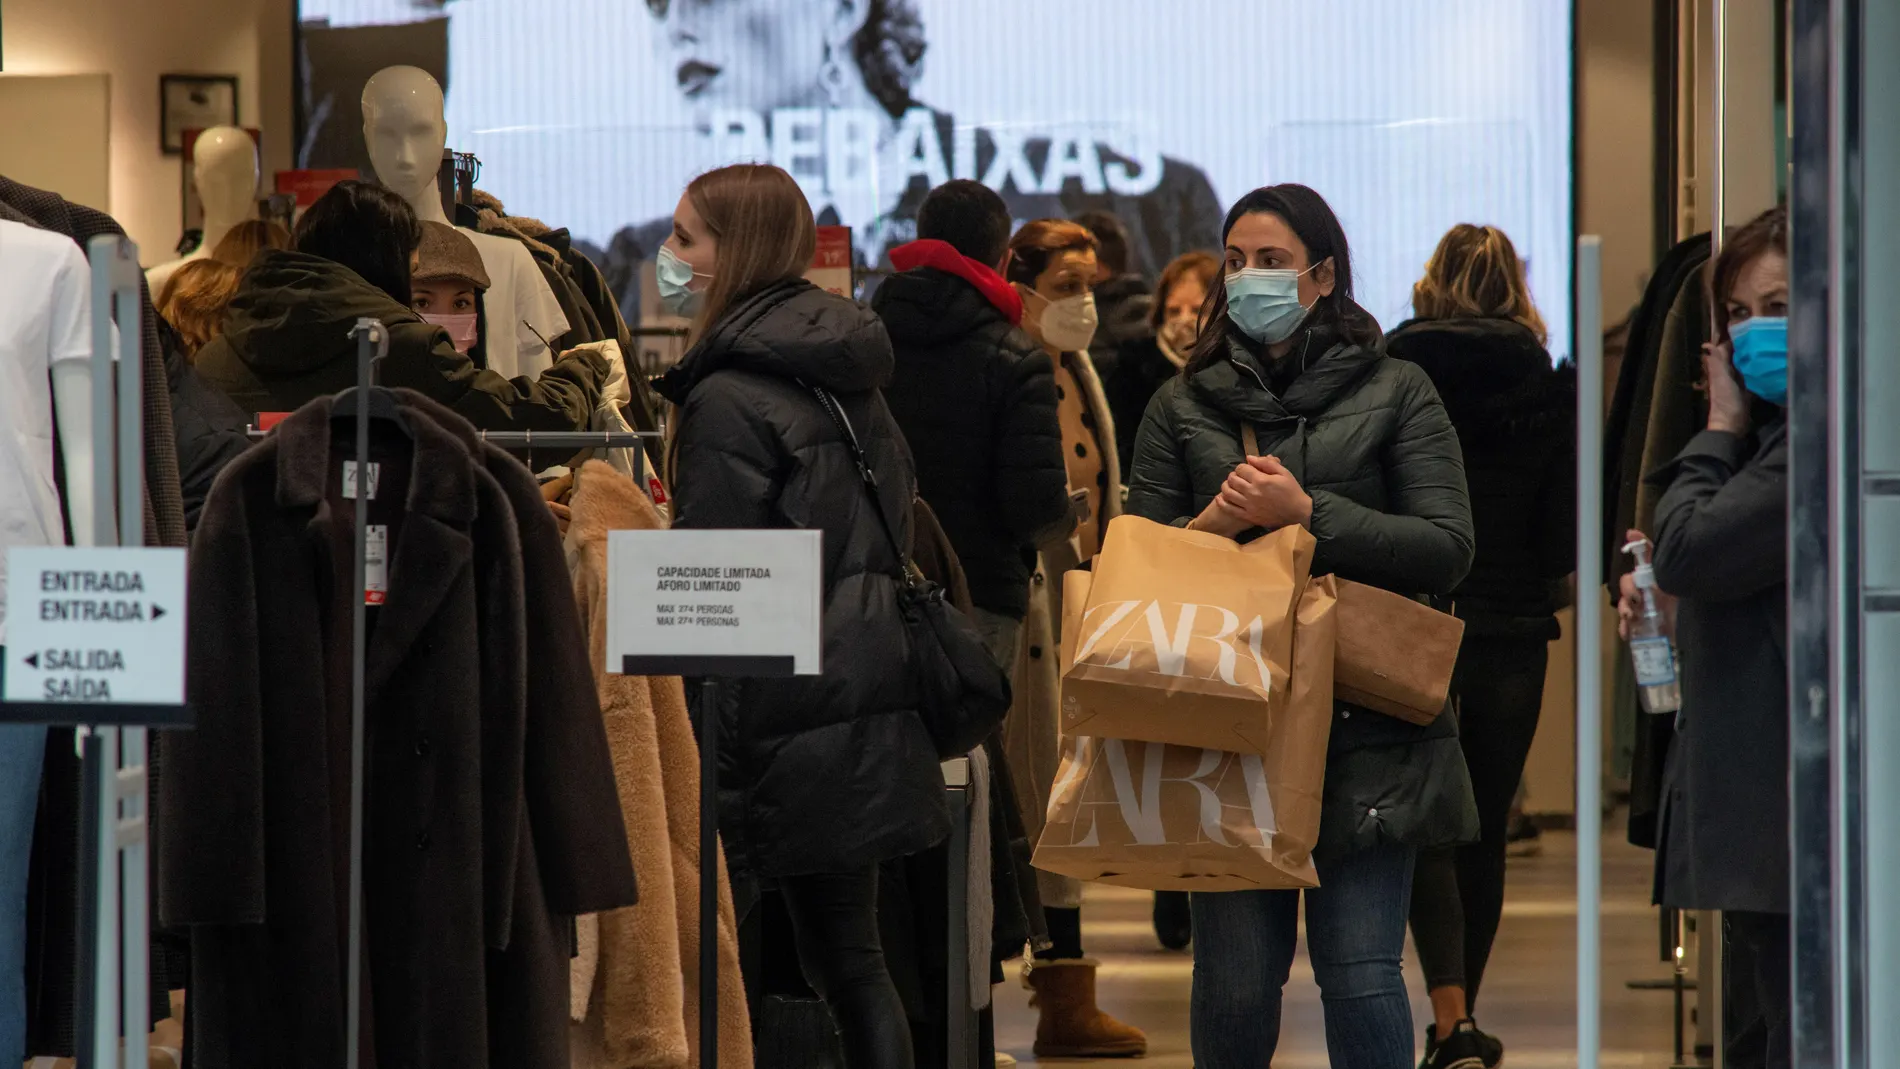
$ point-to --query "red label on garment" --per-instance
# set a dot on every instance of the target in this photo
(309, 185)
(655, 490)
(268, 421)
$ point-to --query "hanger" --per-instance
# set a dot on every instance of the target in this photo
(383, 406)
(375, 401)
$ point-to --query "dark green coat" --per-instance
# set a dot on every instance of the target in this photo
(1369, 440)
(287, 341)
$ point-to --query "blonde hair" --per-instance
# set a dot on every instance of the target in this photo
(764, 229)
(1476, 273)
(241, 244)
(194, 299)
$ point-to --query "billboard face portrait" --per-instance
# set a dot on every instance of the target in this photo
(594, 114)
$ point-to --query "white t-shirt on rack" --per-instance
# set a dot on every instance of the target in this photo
(45, 317)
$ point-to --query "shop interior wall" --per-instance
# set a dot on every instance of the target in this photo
(133, 42)
(1616, 165)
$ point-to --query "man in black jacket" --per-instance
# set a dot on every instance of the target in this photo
(1123, 298)
(976, 398)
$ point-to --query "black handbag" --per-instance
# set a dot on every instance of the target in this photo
(963, 694)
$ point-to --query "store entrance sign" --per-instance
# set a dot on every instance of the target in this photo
(714, 603)
(95, 636)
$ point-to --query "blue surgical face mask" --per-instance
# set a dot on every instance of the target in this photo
(1264, 302)
(674, 275)
(1759, 347)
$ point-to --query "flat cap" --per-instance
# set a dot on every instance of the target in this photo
(447, 253)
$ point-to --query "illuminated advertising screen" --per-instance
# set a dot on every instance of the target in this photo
(1408, 115)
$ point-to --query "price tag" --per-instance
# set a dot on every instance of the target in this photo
(95, 636)
(715, 603)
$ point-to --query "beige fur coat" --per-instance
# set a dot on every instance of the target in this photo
(635, 981)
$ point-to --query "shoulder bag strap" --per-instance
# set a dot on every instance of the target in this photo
(865, 474)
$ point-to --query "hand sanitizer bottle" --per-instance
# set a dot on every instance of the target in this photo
(1653, 655)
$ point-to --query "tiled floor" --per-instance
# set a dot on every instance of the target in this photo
(1529, 992)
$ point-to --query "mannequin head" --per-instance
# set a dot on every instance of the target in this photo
(224, 168)
(405, 132)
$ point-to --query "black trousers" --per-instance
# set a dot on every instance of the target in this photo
(1458, 892)
(834, 920)
(1757, 992)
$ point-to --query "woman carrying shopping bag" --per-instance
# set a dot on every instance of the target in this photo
(1357, 448)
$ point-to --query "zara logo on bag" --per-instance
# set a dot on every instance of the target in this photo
(1223, 784)
(1118, 631)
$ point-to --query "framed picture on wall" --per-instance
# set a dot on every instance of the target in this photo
(193, 102)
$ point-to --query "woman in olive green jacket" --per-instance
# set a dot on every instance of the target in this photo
(1356, 448)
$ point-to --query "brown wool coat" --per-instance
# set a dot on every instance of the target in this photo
(636, 980)
(491, 812)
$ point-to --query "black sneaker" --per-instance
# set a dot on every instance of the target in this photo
(1465, 1048)
(1174, 925)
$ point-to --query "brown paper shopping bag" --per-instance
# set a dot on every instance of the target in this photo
(1186, 637)
(1396, 655)
(1160, 817)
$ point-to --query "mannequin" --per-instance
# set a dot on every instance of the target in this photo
(45, 382)
(224, 167)
(405, 131)
(72, 409)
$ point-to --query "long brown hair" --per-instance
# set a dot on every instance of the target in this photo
(241, 244)
(194, 299)
(764, 228)
(1312, 220)
(1475, 273)
(1767, 232)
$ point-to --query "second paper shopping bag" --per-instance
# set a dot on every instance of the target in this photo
(1186, 638)
(1160, 817)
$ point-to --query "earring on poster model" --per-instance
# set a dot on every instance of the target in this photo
(831, 78)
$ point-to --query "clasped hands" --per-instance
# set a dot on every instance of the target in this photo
(1260, 492)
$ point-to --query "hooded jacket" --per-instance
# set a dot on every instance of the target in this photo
(1516, 421)
(822, 773)
(287, 341)
(1368, 439)
(976, 399)
(209, 427)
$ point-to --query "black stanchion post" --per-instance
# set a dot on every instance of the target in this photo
(709, 873)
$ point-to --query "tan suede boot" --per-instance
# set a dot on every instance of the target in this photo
(1071, 1025)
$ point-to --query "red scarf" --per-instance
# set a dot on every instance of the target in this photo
(944, 257)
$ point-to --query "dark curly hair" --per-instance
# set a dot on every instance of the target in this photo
(890, 52)
(888, 49)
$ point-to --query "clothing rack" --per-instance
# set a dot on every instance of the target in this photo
(372, 344)
(543, 439)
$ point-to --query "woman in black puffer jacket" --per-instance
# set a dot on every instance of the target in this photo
(1481, 340)
(821, 777)
(1355, 447)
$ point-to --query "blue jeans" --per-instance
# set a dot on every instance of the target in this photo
(22, 750)
(1355, 936)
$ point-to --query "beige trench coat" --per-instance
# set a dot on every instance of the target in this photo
(1031, 733)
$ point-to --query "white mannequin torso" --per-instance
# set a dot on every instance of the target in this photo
(405, 131)
(45, 382)
(225, 170)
